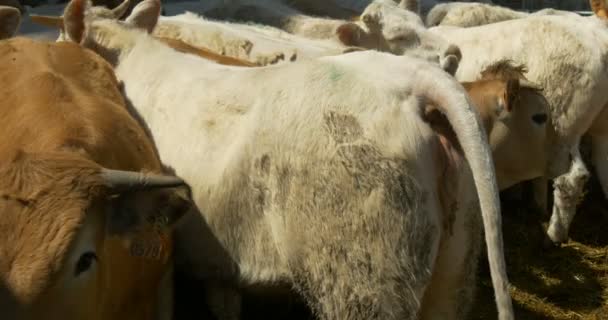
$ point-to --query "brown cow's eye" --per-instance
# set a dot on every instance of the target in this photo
(540, 118)
(85, 262)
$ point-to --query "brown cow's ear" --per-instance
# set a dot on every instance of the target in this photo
(599, 8)
(143, 220)
(350, 34)
(73, 19)
(156, 209)
(145, 15)
(511, 94)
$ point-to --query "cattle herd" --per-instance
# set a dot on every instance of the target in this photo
(352, 157)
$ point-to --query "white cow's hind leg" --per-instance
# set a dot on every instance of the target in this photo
(569, 191)
(452, 288)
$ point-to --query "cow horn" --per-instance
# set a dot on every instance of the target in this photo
(121, 181)
(121, 9)
(49, 21)
(531, 85)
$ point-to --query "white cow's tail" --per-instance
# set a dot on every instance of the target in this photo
(449, 97)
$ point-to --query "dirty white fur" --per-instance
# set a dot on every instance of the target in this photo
(568, 57)
(256, 43)
(320, 174)
(462, 14)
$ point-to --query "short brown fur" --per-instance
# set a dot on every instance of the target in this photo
(599, 7)
(56, 135)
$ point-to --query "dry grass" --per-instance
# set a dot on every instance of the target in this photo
(565, 283)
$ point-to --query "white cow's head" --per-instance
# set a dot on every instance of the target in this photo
(397, 28)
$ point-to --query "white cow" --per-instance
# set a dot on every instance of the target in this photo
(465, 14)
(384, 25)
(568, 57)
(321, 174)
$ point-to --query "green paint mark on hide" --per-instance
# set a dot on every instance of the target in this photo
(335, 73)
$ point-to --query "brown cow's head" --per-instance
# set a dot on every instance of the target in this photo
(10, 19)
(599, 8)
(81, 242)
(386, 26)
(515, 114)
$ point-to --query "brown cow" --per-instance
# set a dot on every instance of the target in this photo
(79, 239)
(515, 115)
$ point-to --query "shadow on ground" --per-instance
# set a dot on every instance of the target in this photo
(567, 282)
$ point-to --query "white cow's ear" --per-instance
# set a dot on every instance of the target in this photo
(73, 19)
(145, 15)
(9, 21)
